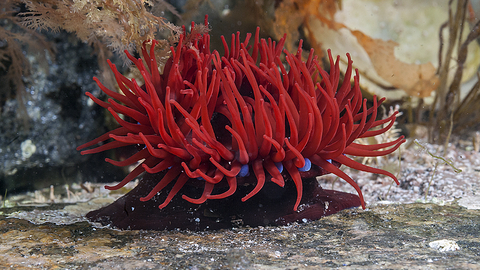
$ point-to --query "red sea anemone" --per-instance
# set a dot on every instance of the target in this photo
(219, 130)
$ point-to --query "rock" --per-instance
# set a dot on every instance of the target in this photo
(41, 145)
(444, 245)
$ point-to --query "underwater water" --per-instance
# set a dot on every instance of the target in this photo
(429, 220)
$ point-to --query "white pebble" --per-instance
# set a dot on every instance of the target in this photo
(444, 245)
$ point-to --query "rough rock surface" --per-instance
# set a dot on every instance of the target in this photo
(384, 236)
(59, 117)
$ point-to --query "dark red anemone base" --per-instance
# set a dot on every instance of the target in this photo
(272, 206)
(241, 137)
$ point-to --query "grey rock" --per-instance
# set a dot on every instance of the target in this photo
(60, 118)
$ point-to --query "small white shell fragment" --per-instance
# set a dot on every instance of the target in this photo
(444, 245)
(28, 149)
(470, 202)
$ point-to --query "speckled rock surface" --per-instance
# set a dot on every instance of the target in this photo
(386, 236)
(59, 116)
